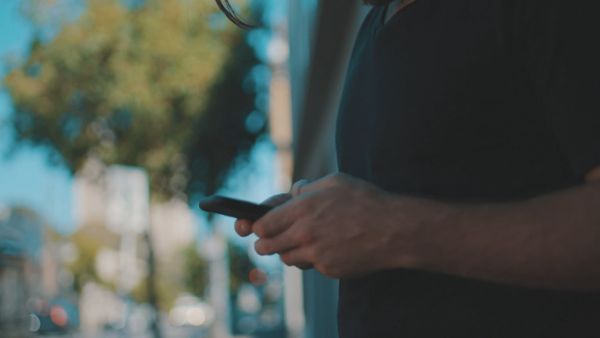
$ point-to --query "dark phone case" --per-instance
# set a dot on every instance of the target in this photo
(234, 208)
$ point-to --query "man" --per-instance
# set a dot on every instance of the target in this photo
(468, 203)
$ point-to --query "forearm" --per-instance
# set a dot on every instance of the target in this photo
(550, 242)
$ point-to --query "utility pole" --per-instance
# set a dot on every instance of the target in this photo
(128, 214)
(215, 250)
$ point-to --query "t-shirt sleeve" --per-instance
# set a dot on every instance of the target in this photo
(563, 46)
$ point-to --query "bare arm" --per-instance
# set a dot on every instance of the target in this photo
(552, 241)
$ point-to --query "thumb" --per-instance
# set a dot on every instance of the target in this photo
(244, 227)
(277, 200)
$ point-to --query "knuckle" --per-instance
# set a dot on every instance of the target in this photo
(312, 254)
(330, 270)
(337, 178)
(286, 259)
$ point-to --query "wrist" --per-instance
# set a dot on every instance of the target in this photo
(414, 225)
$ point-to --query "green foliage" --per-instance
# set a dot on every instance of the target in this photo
(195, 271)
(134, 85)
(89, 240)
(166, 291)
(223, 133)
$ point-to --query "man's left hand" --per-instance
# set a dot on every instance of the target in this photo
(339, 225)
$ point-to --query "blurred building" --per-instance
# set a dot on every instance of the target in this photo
(321, 36)
(172, 227)
(19, 268)
(30, 268)
(172, 223)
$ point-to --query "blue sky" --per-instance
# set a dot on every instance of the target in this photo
(25, 177)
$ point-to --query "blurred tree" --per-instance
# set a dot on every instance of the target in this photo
(196, 267)
(147, 83)
(235, 118)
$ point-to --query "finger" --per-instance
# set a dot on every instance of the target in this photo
(277, 220)
(305, 187)
(290, 239)
(300, 257)
(243, 227)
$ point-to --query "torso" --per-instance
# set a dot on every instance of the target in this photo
(436, 105)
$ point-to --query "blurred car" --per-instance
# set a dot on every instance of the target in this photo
(57, 316)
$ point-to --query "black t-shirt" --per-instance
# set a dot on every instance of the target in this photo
(470, 101)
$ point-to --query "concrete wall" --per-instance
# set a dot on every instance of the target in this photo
(321, 37)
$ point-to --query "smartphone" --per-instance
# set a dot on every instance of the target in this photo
(234, 208)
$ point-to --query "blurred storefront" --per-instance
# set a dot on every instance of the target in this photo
(19, 268)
